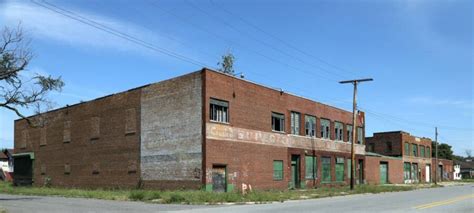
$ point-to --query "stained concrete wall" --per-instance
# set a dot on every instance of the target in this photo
(171, 136)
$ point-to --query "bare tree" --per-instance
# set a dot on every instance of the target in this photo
(227, 64)
(17, 91)
(468, 153)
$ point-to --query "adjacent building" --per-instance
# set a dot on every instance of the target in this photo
(402, 153)
(6, 164)
(204, 130)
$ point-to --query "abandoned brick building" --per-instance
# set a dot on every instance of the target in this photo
(204, 129)
(403, 158)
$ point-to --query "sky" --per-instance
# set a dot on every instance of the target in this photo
(420, 53)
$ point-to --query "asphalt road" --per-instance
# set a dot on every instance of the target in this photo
(447, 199)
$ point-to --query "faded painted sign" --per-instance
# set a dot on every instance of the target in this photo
(228, 133)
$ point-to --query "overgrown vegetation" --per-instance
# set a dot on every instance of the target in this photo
(202, 197)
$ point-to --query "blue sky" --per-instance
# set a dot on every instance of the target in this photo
(420, 53)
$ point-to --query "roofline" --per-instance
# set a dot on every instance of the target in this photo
(399, 132)
(110, 95)
(275, 89)
(200, 70)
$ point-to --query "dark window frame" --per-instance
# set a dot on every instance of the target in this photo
(217, 106)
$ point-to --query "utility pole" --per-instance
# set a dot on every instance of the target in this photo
(436, 156)
(354, 124)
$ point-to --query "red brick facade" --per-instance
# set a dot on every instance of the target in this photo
(102, 143)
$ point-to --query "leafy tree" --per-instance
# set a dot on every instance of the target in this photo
(227, 64)
(19, 92)
(444, 151)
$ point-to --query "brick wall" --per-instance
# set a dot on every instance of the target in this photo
(395, 169)
(171, 120)
(82, 138)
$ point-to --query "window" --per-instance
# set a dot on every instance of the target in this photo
(349, 161)
(338, 130)
(428, 152)
(130, 121)
(349, 133)
(389, 146)
(277, 170)
(326, 164)
(43, 137)
(340, 169)
(311, 167)
(310, 125)
(67, 169)
(325, 126)
(406, 171)
(360, 135)
(422, 151)
(414, 171)
(67, 132)
(219, 111)
(407, 148)
(295, 123)
(371, 147)
(278, 122)
(415, 150)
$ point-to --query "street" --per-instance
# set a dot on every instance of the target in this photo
(446, 199)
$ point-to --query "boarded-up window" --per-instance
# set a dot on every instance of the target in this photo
(95, 168)
(349, 133)
(43, 169)
(130, 121)
(67, 169)
(338, 130)
(339, 169)
(311, 167)
(67, 132)
(95, 127)
(326, 164)
(24, 139)
(132, 166)
(277, 170)
(43, 137)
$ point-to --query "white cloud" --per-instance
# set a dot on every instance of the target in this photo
(42, 23)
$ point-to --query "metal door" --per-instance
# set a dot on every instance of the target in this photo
(295, 171)
(383, 173)
(219, 178)
(428, 173)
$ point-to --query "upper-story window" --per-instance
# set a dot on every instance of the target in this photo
(407, 148)
(422, 151)
(278, 122)
(389, 146)
(325, 126)
(360, 135)
(338, 130)
(310, 125)
(295, 123)
(428, 152)
(349, 133)
(415, 150)
(219, 111)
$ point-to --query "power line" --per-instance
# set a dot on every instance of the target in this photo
(232, 14)
(102, 27)
(218, 19)
(238, 44)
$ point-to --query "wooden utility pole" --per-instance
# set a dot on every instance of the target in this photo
(436, 156)
(354, 124)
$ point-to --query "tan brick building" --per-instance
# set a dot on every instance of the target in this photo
(200, 130)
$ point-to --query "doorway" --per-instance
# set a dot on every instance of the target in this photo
(295, 171)
(23, 168)
(219, 181)
(428, 173)
(360, 179)
(383, 172)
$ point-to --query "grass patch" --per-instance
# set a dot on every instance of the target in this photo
(202, 197)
